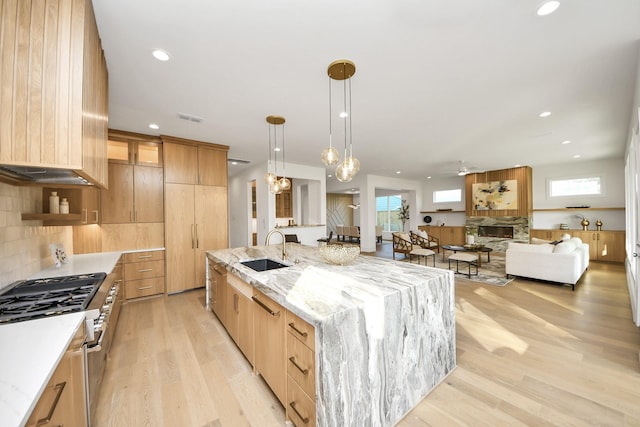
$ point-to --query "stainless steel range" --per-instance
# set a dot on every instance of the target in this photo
(37, 298)
(96, 294)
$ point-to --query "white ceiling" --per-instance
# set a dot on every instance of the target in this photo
(437, 81)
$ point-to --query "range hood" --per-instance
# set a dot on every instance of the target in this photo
(41, 175)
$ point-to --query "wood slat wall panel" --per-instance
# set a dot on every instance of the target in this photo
(525, 191)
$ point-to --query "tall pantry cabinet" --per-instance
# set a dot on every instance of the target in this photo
(196, 218)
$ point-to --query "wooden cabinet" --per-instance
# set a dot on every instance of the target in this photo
(270, 343)
(134, 150)
(135, 194)
(196, 218)
(603, 245)
(301, 371)
(447, 235)
(284, 203)
(143, 274)
(217, 290)
(54, 93)
(195, 164)
(552, 235)
(195, 222)
(63, 401)
(239, 314)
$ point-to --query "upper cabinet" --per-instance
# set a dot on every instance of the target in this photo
(200, 164)
(134, 149)
(54, 93)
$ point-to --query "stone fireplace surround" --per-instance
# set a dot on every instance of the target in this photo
(521, 226)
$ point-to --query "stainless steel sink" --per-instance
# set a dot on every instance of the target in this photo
(263, 264)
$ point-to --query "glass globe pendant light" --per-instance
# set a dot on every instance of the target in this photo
(330, 155)
(343, 69)
(276, 185)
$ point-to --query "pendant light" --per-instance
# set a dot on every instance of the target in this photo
(276, 185)
(330, 155)
(343, 69)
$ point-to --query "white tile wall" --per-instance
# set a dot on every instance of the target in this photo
(24, 245)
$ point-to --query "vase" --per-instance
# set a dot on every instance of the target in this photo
(599, 225)
(584, 223)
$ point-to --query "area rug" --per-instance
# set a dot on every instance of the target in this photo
(491, 273)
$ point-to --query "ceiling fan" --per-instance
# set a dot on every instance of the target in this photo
(463, 169)
(352, 206)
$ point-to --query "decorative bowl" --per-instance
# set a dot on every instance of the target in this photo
(339, 254)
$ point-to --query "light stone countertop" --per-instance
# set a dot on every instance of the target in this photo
(31, 351)
(385, 330)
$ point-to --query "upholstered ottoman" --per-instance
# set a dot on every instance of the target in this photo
(467, 258)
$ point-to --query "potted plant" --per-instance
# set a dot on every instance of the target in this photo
(403, 213)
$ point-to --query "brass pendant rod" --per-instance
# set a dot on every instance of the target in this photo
(330, 129)
(350, 122)
(344, 90)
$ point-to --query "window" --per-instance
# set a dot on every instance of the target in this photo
(447, 196)
(387, 212)
(591, 186)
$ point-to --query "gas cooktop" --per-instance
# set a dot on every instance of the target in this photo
(33, 299)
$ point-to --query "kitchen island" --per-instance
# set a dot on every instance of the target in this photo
(384, 330)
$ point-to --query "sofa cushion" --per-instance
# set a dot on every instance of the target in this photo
(576, 241)
(565, 236)
(525, 247)
(565, 247)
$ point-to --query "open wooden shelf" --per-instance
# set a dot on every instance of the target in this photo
(577, 209)
(71, 217)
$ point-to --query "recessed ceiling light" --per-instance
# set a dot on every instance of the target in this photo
(545, 114)
(160, 55)
(428, 177)
(577, 156)
(548, 7)
(154, 126)
(329, 176)
(517, 166)
(343, 115)
(398, 172)
(234, 163)
(565, 142)
(276, 149)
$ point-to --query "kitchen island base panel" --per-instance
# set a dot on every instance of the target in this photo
(384, 330)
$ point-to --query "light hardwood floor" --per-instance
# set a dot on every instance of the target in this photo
(528, 354)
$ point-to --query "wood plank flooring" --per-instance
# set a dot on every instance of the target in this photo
(528, 354)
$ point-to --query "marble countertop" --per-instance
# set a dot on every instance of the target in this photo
(30, 353)
(384, 329)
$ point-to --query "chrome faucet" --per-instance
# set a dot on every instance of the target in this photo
(284, 242)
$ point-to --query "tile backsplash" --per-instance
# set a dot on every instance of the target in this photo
(24, 245)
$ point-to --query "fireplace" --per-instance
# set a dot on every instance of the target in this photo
(499, 231)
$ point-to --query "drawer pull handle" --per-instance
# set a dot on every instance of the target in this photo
(305, 420)
(145, 287)
(59, 388)
(301, 333)
(146, 270)
(265, 307)
(145, 256)
(304, 371)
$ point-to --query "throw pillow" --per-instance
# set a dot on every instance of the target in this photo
(565, 236)
(577, 241)
(565, 247)
(536, 241)
(422, 234)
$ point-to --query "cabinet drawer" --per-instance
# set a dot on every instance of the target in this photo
(143, 270)
(144, 287)
(143, 256)
(301, 410)
(301, 330)
(301, 365)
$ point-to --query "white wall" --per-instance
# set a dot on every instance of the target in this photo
(443, 218)
(240, 217)
(612, 171)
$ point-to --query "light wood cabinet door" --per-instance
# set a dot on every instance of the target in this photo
(611, 246)
(211, 228)
(90, 206)
(212, 166)
(180, 237)
(245, 327)
(217, 295)
(117, 201)
(270, 345)
(54, 93)
(148, 193)
(181, 166)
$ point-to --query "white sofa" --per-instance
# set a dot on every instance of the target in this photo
(564, 262)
